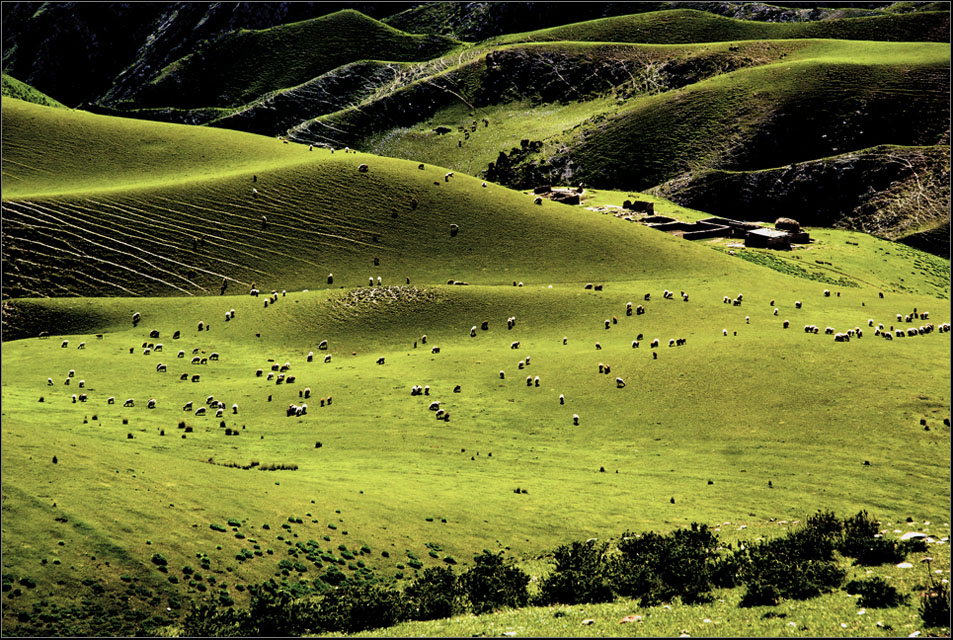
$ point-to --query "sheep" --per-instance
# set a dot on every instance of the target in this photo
(785, 324)
(362, 168)
(323, 345)
(598, 347)
(575, 419)
(151, 404)
(671, 342)
(435, 405)
(635, 344)
(284, 367)
(724, 332)
(538, 200)
(619, 383)
(146, 351)
(502, 374)
(725, 300)
(380, 360)
(64, 344)
(607, 322)
(82, 345)
(307, 392)
(184, 376)
(423, 339)
(49, 382)
(71, 373)
(841, 337)
(454, 230)
(747, 319)
(654, 344)
(485, 325)
(160, 367)
(82, 397)
(529, 381)
(111, 400)
(327, 358)
(515, 345)
(426, 390)
(292, 410)
(473, 330)
(870, 322)
(200, 411)
(456, 389)
(598, 287)
(565, 339)
(129, 403)
(253, 292)
(74, 398)
(440, 413)
(639, 310)
(684, 297)
(196, 360)
(536, 381)
(562, 399)
(607, 370)
(218, 413)
(628, 308)
(330, 278)
(136, 317)
(280, 378)
(899, 318)
(196, 377)
(925, 315)
(484, 185)
(521, 364)
(181, 354)
(797, 304)
(829, 331)
(827, 293)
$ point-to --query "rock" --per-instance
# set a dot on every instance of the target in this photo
(904, 565)
(912, 534)
(587, 621)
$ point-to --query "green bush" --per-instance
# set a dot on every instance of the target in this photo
(217, 527)
(875, 592)
(859, 541)
(434, 594)
(580, 575)
(935, 605)
(356, 608)
(234, 522)
(492, 584)
(159, 559)
(656, 568)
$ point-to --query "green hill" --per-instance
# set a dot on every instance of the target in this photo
(689, 25)
(244, 65)
(13, 88)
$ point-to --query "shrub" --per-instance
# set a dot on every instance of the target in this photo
(217, 527)
(210, 621)
(580, 575)
(159, 559)
(875, 592)
(798, 565)
(492, 584)
(434, 594)
(657, 568)
(355, 608)
(935, 605)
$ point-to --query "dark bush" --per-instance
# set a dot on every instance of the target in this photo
(209, 621)
(435, 594)
(875, 592)
(657, 568)
(798, 565)
(935, 605)
(759, 594)
(355, 608)
(580, 575)
(492, 584)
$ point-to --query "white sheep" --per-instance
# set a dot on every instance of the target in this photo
(200, 411)
(129, 403)
(435, 405)
(502, 374)
(562, 399)
(64, 344)
(49, 382)
(575, 419)
(111, 400)
(82, 345)
(619, 383)
(536, 381)
(151, 404)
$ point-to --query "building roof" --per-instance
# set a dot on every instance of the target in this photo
(769, 233)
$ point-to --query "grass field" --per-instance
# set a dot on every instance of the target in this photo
(748, 423)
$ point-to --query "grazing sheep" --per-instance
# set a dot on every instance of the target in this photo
(82, 345)
(454, 230)
(423, 339)
(74, 398)
(456, 389)
(747, 319)
(521, 364)
(323, 345)
(724, 332)
(502, 374)
(515, 345)
(485, 325)
(684, 297)
(71, 373)
(49, 382)
(575, 419)
(598, 347)
(536, 381)
(310, 356)
(435, 405)
(785, 324)
(797, 304)
(870, 322)
(184, 376)
(654, 344)
(439, 414)
(82, 384)
(841, 337)
(136, 318)
(218, 413)
(607, 324)
(538, 200)
(648, 296)
(619, 383)
(380, 360)
(529, 381)
(473, 330)
(639, 310)
(82, 397)
(285, 367)
(565, 339)
(181, 354)
(64, 344)
(307, 392)
(827, 293)
(151, 404)
(829, 331)
(129, 403)
(146, 351)
(598, 287)
(671, 342)
(635, 344)
(196, 377)
(196, 360)
(66, 382)
(327, 358)
(925, 315)
(111, 400)
(588, 285)
(562, 399)
(160, 367)
(362, 168)
(427, 390)
(435, 350)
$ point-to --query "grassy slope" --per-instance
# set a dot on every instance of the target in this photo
(13, 88)
(261, 61)
(690, 25)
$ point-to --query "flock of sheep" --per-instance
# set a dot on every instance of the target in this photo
(280, 373)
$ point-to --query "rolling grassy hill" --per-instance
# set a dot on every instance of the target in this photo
(261, 61)
(689, 25)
